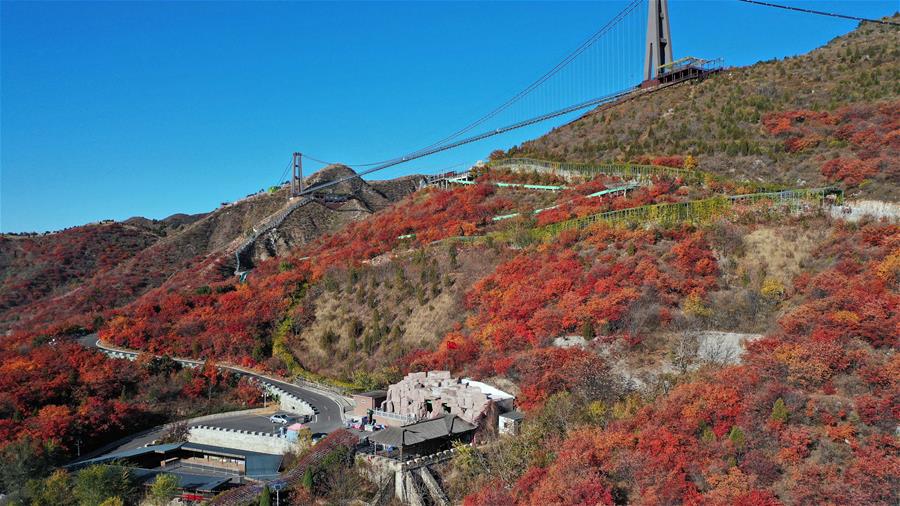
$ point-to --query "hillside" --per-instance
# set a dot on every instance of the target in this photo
(82, 272)
(670, 338)
(39, 267)
(776, 121)
(359, 307)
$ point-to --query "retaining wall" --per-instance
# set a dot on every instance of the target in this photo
(856, 210)
(290, 402)
(240, 439)
(569, 170)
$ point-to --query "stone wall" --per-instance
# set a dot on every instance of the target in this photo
(290, 402)
(383, 470)
(855, 210)
(262, 442)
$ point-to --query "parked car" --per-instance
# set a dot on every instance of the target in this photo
(283, 420)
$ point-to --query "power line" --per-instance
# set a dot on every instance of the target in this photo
(821, 13)
(323, 162)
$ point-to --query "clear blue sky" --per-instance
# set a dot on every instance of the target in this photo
(118, 109)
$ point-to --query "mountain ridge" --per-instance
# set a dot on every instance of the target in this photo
(176, 243)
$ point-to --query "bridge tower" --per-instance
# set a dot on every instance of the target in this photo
(658, 50)
(297, 175)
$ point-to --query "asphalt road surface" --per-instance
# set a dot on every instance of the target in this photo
(328, 412)
(259, 422)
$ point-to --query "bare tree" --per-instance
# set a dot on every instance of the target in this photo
(177, 432)
(716, 353)
(343, 484)
(684, 351)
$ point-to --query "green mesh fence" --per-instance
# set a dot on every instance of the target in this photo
(695, 211)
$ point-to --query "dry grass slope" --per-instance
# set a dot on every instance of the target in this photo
(719, 120)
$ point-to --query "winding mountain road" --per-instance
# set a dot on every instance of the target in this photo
(329, 407)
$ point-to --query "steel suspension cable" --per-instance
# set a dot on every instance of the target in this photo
(541, 80)
(283, 174)
(547, 75)
(820, 13)
(468, 140)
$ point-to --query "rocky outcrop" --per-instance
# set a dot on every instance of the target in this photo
(304, 219)
(396, 189)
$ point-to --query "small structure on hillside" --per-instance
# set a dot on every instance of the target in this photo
(296, 431)
(423, 438)
(368, 401)
(422, 395)
(510, 422)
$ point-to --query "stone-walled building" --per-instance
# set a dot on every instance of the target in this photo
(366, 401)
(423, 395)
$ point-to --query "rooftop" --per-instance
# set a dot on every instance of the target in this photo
(494, 392)
(374, 394)
(256, 464)
(186, 481)
(513, 415)
(422, 431)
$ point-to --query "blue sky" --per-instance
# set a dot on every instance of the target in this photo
(120, 109)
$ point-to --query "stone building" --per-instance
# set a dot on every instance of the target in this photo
(423, 395)
(366, 401)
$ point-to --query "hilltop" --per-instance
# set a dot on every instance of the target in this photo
(781, 121)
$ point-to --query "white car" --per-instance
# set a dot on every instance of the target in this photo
(279, 419)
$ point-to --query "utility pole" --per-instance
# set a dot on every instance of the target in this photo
(297, 175)
(658, 50)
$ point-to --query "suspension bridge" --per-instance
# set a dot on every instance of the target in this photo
(628, 57)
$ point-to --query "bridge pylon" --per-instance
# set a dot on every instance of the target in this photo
(297, 175)
(658, 49)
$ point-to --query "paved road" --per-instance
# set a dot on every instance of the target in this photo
(329, 413)
(260, 422)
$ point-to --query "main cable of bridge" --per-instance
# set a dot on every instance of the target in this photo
(475, 138)
(572, 56)
(820, 13)
(546, 76)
